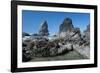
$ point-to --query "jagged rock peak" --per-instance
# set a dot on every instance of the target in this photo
(66, 25)
(43, 31)
(67, 21)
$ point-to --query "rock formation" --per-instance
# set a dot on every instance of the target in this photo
(65, 27)
(76, 35)
(25, 34)
(43, 31)
(69, 39)
(86, 35)
(68, 31)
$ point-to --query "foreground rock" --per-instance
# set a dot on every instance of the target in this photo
(45, 48)
(82, 50)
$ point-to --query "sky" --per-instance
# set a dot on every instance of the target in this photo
(31, 20)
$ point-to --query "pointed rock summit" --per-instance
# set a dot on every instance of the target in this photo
(43, 31)
(68, 31)
(66, 25)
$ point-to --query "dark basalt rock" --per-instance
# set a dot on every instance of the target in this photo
(66, 25)
(26, 54)
(43, 31)
(68, 31)
(25, 34)
(65, 28)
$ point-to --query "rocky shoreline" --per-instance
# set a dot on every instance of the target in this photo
(68, 39)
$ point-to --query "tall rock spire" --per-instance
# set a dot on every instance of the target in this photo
(66, 25)
(43, 31)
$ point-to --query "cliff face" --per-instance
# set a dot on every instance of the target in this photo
(43, 31)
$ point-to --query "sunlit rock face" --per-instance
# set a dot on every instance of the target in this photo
(43, 31)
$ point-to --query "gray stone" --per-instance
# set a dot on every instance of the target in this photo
(43, 31)
(66, 25)
(25, 34)
(86, 34)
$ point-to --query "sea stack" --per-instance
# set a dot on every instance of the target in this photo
(43, 31)
(66, 26)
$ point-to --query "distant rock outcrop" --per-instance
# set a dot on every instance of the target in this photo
(86, 34)
(66, 27)
(25, 34)
(88, 28)
(43, 31)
